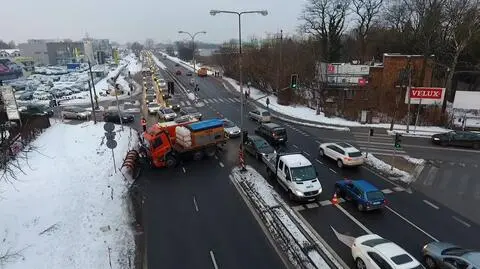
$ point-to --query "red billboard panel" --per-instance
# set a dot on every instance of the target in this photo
(426, 95)
(331, 68)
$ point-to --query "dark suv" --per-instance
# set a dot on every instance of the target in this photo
(272, 132)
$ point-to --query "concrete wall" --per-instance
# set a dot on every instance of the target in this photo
(61, 53)
(36, 50)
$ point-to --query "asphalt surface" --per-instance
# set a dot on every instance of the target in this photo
(195, 217)
(411, 219)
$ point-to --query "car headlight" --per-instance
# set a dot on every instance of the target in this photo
(436, 138)
(298, 193)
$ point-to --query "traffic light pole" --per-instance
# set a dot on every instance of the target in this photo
(393, 157)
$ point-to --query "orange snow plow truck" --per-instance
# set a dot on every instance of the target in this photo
(194, 140)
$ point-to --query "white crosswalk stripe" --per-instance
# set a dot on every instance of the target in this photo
(188, 103)
(232, 100)
(380, 143)
(205, 101)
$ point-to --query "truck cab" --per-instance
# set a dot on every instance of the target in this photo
(296, 174)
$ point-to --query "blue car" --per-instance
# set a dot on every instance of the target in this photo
(366, 196)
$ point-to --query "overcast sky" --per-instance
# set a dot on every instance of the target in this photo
(124, 21)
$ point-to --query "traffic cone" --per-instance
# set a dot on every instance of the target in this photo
(334, 199)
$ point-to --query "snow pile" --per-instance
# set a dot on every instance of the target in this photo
(158, 62)
(69, 209)
(134, 66)
(386, 168)
(302, 112)
(414, 160)
(296, 240)
(417, 133)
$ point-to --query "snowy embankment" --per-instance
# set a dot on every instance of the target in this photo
(158, 62)
(294, 238)
(69, 209)
(302, 112)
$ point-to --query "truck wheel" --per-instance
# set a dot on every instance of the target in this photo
(198, 155)
(210, 151)
(170, 161)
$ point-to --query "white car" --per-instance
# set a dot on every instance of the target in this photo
(153, 108)
(166, 114)
(162, 83)
(343, 153)
(259, 115)
(73, 112)
(374, 252)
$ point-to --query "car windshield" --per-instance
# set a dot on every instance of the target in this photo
(303, 173)
(375, 195)
(173, 101)
(153, 105)
(279, 131)
(228, 124)
(168, 111)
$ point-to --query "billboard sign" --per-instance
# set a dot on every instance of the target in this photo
(11, 108)
(73, 66)
(425, 96)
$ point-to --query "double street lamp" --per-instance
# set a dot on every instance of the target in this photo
(242, 98)
(193, 51)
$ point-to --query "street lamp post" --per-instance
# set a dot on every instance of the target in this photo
(193, 52)
(242, 98)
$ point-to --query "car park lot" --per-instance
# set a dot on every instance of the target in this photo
(410, 218)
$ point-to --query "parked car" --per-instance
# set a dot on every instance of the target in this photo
(166, 114)
(113, 116)
(257, 146)
(374, 252)
(190, 111)
(259, 115)
(446, 255)
(36, 110)
(78, 113)
(361, 192)
(343, 153)
(272, 132)
(457, 138)
(192, 81)
(231, 130)
(153, 108)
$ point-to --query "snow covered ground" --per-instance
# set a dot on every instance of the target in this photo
(279, 215)
(386, 168)
(69, 209)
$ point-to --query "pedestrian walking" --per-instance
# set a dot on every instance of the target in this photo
(144, 124)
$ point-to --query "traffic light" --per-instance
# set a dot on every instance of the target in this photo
(293, 81)
(398, 140)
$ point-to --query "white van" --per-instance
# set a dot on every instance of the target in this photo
(259, 115)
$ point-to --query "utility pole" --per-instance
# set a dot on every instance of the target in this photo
(93, 84)
(409, 88)
(280, 60)
(91, 101)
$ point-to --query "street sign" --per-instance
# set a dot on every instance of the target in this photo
(425, 96)
(108, 126)
(110, 135)
(111, 144)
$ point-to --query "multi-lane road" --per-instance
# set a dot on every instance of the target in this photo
(195, 218)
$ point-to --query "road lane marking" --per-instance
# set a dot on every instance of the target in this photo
(295, 146)
(306, 153)
(352, 218)
(195, 204)
(312, 205)
(431, 204)
(216, 157)
(387, 191)
(183, 168)
(411, 223)
(398, 188)
(298, 207)
(318, 161)
(332, 170)
(462, 222)
(221, 164)
(212, 256)
(325, 203)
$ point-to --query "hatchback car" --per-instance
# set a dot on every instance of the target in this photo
(166, 114)
(231, 130)
(113, 116)
(343, 153)
(191, 111)
(374, 252)
(162, 83)
(36, 110)
(272, 132)
(78, 113)
(361, 192)
(258, 147)
(446, 255)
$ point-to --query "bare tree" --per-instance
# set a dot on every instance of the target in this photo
(366, 12)
(462, 25)
(325, 20)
